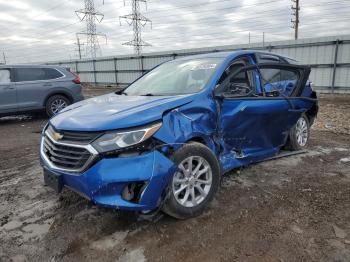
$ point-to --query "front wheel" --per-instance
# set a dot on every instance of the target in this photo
(55, 104)
(299, 134)
(195, 182)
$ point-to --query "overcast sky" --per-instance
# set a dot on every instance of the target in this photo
(41, 30)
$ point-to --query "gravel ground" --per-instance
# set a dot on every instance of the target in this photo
(290, 209)
(334, 116)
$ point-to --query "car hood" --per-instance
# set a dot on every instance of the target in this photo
(113, 111)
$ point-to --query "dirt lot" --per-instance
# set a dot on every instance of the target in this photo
(291, 209)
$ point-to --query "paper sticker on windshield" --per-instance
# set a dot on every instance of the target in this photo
(204, 67)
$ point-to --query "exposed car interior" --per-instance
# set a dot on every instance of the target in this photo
(235, 82)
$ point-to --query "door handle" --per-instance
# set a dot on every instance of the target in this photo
(9, 88)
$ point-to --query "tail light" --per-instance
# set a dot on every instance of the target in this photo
(76, 79)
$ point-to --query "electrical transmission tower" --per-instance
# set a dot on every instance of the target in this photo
(91, 16)
(137, 20)
(295, 22)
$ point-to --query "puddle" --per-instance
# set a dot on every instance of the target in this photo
(109, 242)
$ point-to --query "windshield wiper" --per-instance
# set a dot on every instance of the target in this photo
(149, 94)
(121, 92)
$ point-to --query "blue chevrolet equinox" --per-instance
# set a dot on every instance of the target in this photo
(164, 142)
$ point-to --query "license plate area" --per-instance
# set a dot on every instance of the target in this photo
(55, 181)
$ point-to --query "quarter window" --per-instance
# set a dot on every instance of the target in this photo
(5, 76)
(35, 74)
(283, 81)
(52, 73)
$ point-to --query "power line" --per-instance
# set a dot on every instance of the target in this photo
(263, 27)
(208, 42)
(137, 20)
(61, 27)
(91, 16)
(272, 13)
(52, 8)
(253, 21)
(208, 19)
(167, 14)
(251, 29)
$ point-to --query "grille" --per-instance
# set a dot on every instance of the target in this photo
(84, 138)
(66, 157)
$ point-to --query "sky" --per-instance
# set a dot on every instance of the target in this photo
(41, 30)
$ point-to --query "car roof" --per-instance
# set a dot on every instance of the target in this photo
(229, 54)
(30, 66)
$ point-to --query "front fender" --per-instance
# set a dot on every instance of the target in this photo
(190, 122)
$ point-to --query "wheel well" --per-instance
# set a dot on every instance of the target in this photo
(311, 114)
(214, 147)
(199, 140)
(61, 94)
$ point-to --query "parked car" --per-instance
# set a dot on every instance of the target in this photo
(25, 88)
(165, 141)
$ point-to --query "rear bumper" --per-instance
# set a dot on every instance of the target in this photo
(104, 182)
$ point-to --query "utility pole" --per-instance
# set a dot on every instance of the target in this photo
(4, 57)
(295, 22)
(91, 16)
(79, 46)
(137, 20)
(249, 37)
(263, 39)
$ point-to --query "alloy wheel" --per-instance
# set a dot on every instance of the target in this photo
(57, 105)
(302, 132)
(192, 182)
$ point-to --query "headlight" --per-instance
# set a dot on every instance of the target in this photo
(117, 140)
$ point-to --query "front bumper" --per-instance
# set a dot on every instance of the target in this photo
(104, 182)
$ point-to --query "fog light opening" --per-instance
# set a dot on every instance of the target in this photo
(133, 191)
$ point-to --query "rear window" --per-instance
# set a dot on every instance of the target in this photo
(280, 80)
(35, 74)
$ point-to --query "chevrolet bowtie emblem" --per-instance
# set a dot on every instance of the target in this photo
(57, 136)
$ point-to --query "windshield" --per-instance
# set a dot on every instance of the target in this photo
(175, 78)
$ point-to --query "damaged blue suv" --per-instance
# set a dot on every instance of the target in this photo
(165, 140)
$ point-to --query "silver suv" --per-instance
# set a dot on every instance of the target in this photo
(25, 88)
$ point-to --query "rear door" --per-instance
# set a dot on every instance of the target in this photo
(255, 126)
(8, 99)
(288, 82)
(33, 85)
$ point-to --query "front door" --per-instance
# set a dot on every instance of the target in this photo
(254, 126)
(8, 97)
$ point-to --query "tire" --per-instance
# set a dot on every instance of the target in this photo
(299, 134)
(195, 153)
(55, 104)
